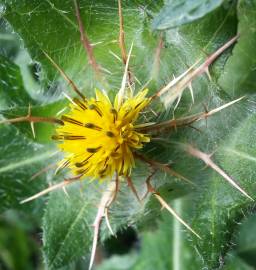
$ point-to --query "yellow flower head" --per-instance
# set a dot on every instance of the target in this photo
(98, 138)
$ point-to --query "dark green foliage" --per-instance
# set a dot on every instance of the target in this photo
(213, 208)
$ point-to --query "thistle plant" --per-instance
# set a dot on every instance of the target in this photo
(113, 140)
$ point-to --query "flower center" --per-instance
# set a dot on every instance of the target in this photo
(99, 138)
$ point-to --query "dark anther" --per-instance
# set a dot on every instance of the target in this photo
(57, 137)
(92, 126)
(68, 137)
(103, 170)
(82, 171)
(106, 160)
(84, 162)
(73, 137)
(71, 120)
(94, 107)
(93, 150)
(110, 134)
(80, 104)
(138, 105)
(81, 164)
(127, 112)
(114, 112)
(117, 148)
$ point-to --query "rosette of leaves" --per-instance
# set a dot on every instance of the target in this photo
(164, 45)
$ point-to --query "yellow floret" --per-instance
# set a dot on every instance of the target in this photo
(98, 138)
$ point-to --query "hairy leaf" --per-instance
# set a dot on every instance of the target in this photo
(67, 227)
(176, 12)
(212, 207)
(239, 75)
(12, 92)
(243, 245)
(20, 159)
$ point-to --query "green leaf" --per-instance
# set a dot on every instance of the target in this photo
(67, 227)
(235, 263)
(219, 205)
(239, 75)
(12, 92)
(10, 45)
(18, 85)
(20, 159)
(213, 206)
(69, 217)
(176, 12)
(168, 243)
(31, 20)
(243, 243)
(246, 241)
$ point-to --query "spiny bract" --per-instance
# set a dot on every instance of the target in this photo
(98, 136)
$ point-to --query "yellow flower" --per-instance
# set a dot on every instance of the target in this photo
(98, 138)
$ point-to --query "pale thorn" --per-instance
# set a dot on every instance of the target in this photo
(167, 207)
(47, 190)
(97, 43)
(65, 191)
(208, 73)
(145, 84)
(60, 166)
(176, 79)
(224, 106)
(189, 119)
(177, 103)
(57, 169)
(121, 92)
(191, 92)
(61, 111)
(206, 158)
(144, 125)
(69, 98)
(31, 123)
(155, 114)
(178, 85)
(107, 222)
(137, 80)
(116, 56)
(176, 90)
(33, 129)
(105, 202)
(106, 70)
(94, 243)
(202, 68)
